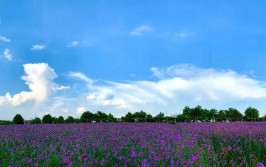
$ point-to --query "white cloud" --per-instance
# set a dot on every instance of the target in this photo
(7, 55)
(182, 34)
(72, 44)
(61, 88)
(80, 110)
(140, 30)
(4, 39)
(78, 75)
(178, 86)
(38, 47)
(39, 78)
(170, 90)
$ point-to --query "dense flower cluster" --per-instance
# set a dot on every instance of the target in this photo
(134, 144)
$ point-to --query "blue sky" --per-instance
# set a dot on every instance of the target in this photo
(120, 56)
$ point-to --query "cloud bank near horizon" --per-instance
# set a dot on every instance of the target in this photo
(171, 89)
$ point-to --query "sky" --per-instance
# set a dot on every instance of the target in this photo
(67, 57)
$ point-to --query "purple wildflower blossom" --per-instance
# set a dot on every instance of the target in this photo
(259, 164)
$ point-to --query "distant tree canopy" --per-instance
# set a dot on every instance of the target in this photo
(188, 115)
(87, 117)
(251, 114)
(70, 119)
(233, 114)
(18, 119)
(47, 119)
(36, 121)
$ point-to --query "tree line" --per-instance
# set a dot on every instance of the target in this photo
(196, 114)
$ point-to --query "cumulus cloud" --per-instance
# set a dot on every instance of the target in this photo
(171, 89)
(72, 44)
(140, 30)
(39, 78)
(4, 39)
(178, 85)
(80, 110)
(38, 47)
(7, 55)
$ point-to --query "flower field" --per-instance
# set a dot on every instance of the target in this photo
(134, 144)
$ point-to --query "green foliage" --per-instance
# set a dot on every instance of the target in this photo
(100, 117)
(4, 122)
(233, 114)
(159, 117)
(60, 119)
(36, 121)
(221, 115)
(18, 119)
(70, 119)
(251, 114)
(87, 117)
(128, 118)
(188, 115)
(140, 116)
(47, 119)
(111, 118)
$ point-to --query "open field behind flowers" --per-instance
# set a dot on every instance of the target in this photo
(134, 144)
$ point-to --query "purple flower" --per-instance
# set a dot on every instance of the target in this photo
(194, 158)
(67, 160)
(144, 163)
(229, 148)
(259, 164)
(102, 161)
(177, 137)
(133, 153)
(30, 161)
(83, 156)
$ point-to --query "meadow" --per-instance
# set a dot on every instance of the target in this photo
(134, 144)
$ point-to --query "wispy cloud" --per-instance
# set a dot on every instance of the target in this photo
(72, 44)
(182, 34)
(7, 55)
(140, 30)
(4, 39)
(78, 75)
(173, 88)
(38, 47)
(179, 85)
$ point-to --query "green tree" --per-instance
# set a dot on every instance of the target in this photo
(187, 114)
(221, 116)
(77, 120)
(233, 114)
(100, 117)
(129, 117)
(60, 119)
(70, 119)
(264, 118)
(181, 118)
(205, 115)
(111, 118)
(160, 117)
(36, 121)
(47, 119)
(140, 116)
(18, 119)
(251, 114)
(197, 112)
(149, 118)
(87, 117)
(213, 114)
